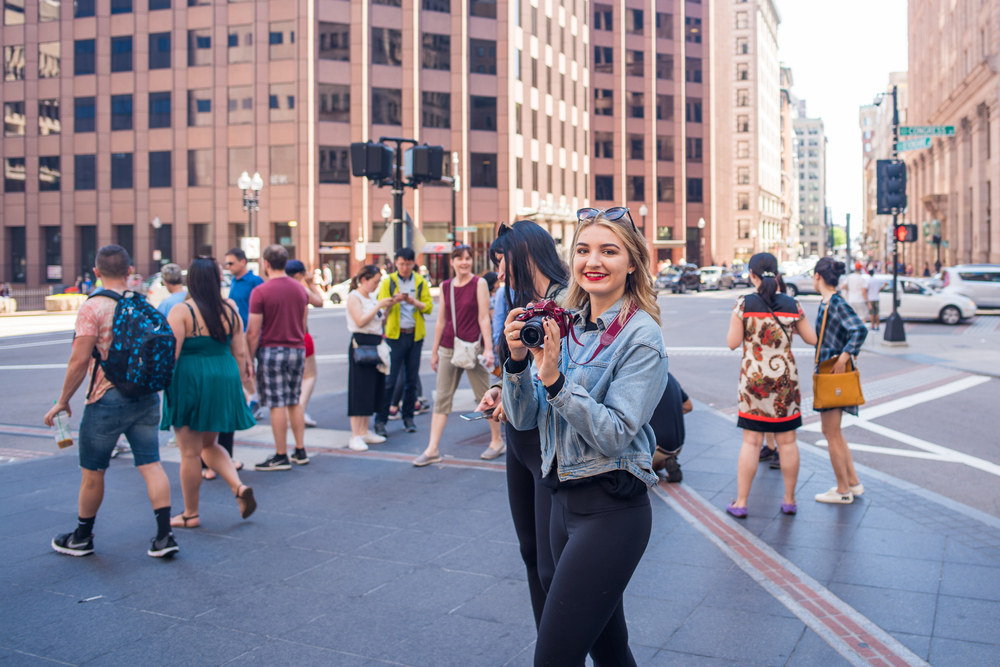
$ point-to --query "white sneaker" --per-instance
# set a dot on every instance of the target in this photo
(357, 443)
(372, 438)
(309, 421)
(858, 489)
(835, 498)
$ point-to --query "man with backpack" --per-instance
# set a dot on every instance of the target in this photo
(122, 397)
(404, 332)
(668, 426)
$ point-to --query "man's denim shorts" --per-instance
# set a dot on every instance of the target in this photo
(112, 415)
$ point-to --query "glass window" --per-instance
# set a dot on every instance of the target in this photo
(483, 170)
(160, 169)
(282, 40)
(387, 104)
(121, 54)
(13, 12)
(85, 172)
(692, 30)
(48, 60)
(604, 188)
(742, 72)
(664, 189)
(633, 21)
(635, 147)
(49, 174)
(743, 201)
(486, 9)
(635, 188)
(335, 102)
(84, 113)
(13, 62)
(665, 148)
(604, 144)
(387, 46)
(603, 59)
(664, 66)
(159, 110)
(483, 113)
(742, 46)
(83, 8)
(693, 110)
(48, 117)
(436, 109)
(692, 70)
(742, 123)
(240, 43)
(121, 6)
(633, 63)
(121, 112)
(436, 6)
(160, 4)
(83, 56)
(334, 164)
(282, 102)
(199, 107)
(602, 17)
(240, 160)
(200, 168)
(664, 25)
(743, 149)
(694, 190)
(159, 50)
(121, 171)
(436, 51)
(694, 146)
(634, 104)
(14, 122)
(241, 104)
(334, 41)
(664, 107)
(282, 165)
(483, 57)
(199, 47)
(603, 100)
(14, 174)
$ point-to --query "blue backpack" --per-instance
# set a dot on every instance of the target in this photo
(141, 357)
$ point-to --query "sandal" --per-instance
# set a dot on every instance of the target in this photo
(246, 501)
(208, 473)
(181, 521)
(238, 465)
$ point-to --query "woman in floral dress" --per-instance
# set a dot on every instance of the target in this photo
(764, 323)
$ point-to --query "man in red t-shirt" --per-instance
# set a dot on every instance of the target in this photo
(276, 338)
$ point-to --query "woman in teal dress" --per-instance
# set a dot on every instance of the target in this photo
(205, 396)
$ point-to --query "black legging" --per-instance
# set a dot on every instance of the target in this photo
(597, 542)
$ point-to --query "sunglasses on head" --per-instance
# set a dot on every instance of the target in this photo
(613, 214)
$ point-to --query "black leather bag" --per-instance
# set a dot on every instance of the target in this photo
(366, 355)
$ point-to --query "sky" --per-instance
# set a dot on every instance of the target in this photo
(841, 55)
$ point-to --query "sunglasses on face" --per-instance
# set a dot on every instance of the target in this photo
(613, 214)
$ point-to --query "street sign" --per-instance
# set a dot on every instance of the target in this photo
(250, 246)
(927, 131)
(913, 144)
(465, 229)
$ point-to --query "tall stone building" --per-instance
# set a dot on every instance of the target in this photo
(811, 138)
(746, 130)
(789, 246)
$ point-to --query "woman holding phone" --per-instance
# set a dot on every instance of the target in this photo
(591, 396)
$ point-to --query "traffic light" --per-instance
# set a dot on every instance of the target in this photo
(906, 233)
(423, 163)
(371, 160)
(891, 186)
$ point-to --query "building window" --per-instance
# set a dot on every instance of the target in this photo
(239, 44)
(635, 188)
(692, 70)
(743, 149)
(436, 51)
(518, 175)
(160, 169)
(435, 110)
(517, 118)
(665, 148)
(84, 113)
(83, 8)
(13, 12)
(281, 40)
(199, 107)
(335, 102)
(83, 57)
(742, 123)
(199, 47)
(483, 57)
(334, 41)
(633, 21)
(664, 66)
(604, 144)
(49, 174)
(18, 251)
(742, 21)
(742, 46)
(14, 122)
(48, 60)
(664, 190)
(694, 149)
(159, 50)
(743, 201)
(604, 188)
(603, 102)
(387, 47)
(634, 63)
(743, 97)
(281, 102)
(387, 104)
(240, 107)
(742, 72)
(634, 105)
(692, 30)
(160, 4)
(48, 117)
(664, 25)
(603, 59)
(602, 17)
(693, 110)
(389, 3)
(635, 147)
(283, 165)
(121, 112)
(483, 170)
(13, 63)
(200, 168)
(121, 6)
(534, 176)
(486, 9)
(443, 6)
(14, 174)
(534, 72)
(121, 171)
(334, 164)
(694, 190)
(85, 172)
(483, 113)
(159, 110)
(240, 160)
(664, 107)
(121, 54)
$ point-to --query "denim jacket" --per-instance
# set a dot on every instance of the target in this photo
(599, 420)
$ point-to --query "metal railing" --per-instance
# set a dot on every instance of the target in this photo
(30, 298)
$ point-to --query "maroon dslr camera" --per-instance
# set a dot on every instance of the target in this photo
(533, 333)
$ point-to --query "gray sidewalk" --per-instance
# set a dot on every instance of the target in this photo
(972, 347)
(365, 560)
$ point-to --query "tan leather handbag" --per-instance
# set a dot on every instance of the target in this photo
(835, 390)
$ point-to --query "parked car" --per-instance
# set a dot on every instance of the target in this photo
(919, 302)
(979, 282)
(799, 284)
(741, 276)
(156, 291)
(664, 278)
(716, 277)
(689, 277)
(338, 293)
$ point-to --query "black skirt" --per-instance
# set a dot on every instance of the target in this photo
(768, 426)
(365, 384)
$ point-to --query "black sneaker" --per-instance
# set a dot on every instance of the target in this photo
(380, 429)
(673, 470)
(408, 426)
(299, 456)
(766, 453)
(165, 546)
(776, 461)
(276, 462)
(68, 544)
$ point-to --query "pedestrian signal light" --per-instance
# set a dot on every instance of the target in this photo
(372, 161)
(891, 186)
(906, 233)
(423, 163)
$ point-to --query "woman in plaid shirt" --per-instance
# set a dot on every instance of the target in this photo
(843, 337)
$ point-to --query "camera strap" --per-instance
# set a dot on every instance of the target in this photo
(607, 337)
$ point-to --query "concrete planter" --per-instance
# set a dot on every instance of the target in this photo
(64, 302)
(7, 305)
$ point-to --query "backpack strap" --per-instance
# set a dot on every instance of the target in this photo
(95, 353)
(392, 286)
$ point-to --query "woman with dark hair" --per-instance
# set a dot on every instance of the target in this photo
(769, 396)
(842, 337)
(206, 397)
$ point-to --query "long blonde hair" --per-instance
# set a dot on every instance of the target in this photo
(640, 289)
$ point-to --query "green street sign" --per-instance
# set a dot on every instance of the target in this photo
(913, 144)
(927, 131)
(944, 244)
(465, 229)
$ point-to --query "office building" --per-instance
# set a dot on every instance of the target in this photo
(814, 239)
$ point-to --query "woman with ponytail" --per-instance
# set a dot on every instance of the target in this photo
(764, 323)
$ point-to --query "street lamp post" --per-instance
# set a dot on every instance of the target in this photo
(251, 188)
(643, 211)
(156, 239)
(701, 241)
(454, 193)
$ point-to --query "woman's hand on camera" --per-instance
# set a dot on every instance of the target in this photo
(547, 356)
(512, 332)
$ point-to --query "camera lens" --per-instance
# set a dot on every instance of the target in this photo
(532, 333)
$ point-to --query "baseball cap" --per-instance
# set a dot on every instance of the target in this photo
(294, 266)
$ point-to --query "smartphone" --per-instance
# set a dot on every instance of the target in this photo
(473, 416)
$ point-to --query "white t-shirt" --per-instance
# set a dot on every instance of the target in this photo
(856, 288)
(875, 285)
(368, 303)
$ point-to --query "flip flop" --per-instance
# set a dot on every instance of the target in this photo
(238, 465)
(181, 521)
(246, 501)
(208, 473)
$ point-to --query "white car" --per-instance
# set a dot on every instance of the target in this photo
(338, 293)
(156, 291)
(919, 302)
(799, 284)
(979, 282)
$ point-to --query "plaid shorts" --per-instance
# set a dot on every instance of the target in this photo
(279, 375)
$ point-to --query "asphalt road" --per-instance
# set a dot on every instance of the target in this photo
(937, 427)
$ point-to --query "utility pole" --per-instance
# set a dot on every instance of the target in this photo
(849, 263)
